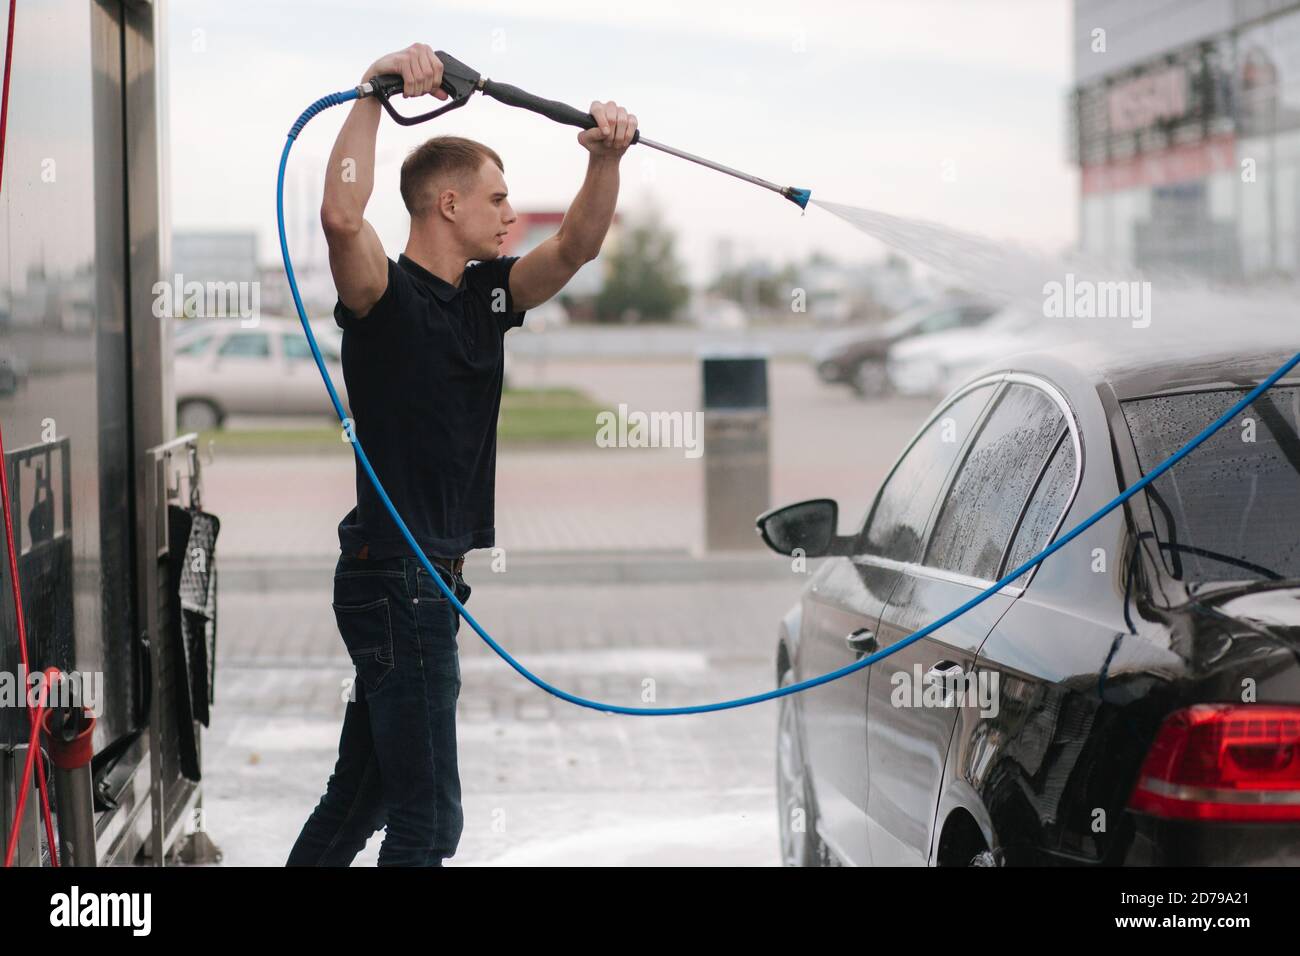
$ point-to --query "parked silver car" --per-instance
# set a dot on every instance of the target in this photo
(222, 368)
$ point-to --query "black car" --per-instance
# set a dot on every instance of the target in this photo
(859, 361)
(13, 372)
(1134, 699)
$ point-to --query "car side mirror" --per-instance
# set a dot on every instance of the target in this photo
(807, 526)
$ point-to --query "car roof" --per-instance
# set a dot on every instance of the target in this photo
(1156, 369)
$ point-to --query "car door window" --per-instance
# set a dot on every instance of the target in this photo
(897, 522)
(196, 346)
(994, 481)
(1045, 508)
(246, 345)
(941, 322)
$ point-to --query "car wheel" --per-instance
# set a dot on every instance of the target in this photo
(793, 793)
(198, 415)
(870, 380)
(984, 858)
(828, 372)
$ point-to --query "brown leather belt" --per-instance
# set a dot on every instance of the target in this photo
(451, 564)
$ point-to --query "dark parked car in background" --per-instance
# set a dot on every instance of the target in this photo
(859, 359)
(13, 372)
(1135, 699)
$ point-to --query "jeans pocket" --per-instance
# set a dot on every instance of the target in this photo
(367, 631)
(427, 589)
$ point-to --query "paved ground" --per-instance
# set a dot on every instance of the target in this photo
(605, 586)
(544, 782)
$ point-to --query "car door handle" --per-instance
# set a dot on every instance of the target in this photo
(863, 640)
(945, 669)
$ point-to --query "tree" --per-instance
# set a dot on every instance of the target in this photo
(757, 285)
(642, 277)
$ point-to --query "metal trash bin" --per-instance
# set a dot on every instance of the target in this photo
(737, 462)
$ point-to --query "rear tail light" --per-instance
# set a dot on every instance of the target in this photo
(1225, 762)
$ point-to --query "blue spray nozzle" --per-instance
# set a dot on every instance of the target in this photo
(797, 196)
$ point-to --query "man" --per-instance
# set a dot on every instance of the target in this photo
(422, 361)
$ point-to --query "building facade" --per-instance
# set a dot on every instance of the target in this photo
(1185, 124)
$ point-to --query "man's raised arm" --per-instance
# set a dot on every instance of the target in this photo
(547, 269)
(357, 258)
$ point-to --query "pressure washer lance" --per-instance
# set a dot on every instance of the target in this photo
(460, 82)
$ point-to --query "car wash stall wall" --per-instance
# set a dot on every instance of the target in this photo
(85, 392)
(1185, 124)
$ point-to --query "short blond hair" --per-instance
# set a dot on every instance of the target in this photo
(440, 158)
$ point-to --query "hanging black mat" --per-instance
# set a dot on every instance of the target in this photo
(191, 595)
(198, 592)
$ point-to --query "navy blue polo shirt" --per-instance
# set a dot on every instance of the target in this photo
(423, 370)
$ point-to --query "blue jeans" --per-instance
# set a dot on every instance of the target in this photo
(397, 752)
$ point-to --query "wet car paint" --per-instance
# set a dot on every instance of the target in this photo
(1086, 674)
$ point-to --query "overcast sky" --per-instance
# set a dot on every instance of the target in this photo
(949, 110)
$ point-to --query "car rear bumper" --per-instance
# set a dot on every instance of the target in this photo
(1158, 842)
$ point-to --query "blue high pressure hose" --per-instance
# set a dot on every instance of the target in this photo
(335, 99)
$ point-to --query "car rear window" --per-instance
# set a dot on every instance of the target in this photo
(1228, 511)
(246, 345)
(296, 348)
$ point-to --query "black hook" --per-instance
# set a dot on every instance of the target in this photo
(195, 501)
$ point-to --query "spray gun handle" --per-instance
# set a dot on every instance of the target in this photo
(551, 109)
(458, 80)
(385, 85)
